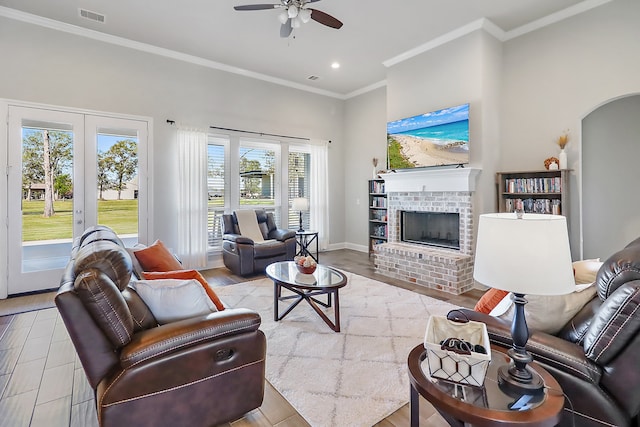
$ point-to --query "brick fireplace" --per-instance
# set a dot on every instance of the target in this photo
(427, 190)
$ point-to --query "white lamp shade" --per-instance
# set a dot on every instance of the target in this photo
(530, 255)
(295, 22)
(300, 204)
(292, 11)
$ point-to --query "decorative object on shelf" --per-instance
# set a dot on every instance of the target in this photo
(305, 264)
(562, 142)
(508, 246)
(375, 163)
(550, 162)
(300, 204)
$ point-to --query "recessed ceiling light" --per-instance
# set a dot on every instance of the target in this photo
(335, 65)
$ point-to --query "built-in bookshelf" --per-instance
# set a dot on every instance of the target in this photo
(377, 213)
(545, 192)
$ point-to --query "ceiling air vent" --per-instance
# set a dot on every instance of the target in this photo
(93, 16)
(313, 78)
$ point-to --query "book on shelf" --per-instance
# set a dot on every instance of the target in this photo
(378, 202)
(377, 187)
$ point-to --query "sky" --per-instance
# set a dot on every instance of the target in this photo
(434, 118)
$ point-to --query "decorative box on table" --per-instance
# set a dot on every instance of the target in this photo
(468, 369)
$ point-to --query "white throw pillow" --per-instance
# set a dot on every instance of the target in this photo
(546, 313)
(585, 271)
(174, 299)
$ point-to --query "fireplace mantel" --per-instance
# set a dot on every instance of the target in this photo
(456, 179)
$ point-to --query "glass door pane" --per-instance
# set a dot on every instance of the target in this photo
(118, 190)
(44, 197)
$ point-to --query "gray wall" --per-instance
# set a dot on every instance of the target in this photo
(366, 133)
(555, 76)
(524, 92)
(51, 67)
(610, 153)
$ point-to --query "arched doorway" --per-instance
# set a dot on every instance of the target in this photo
(610, 177)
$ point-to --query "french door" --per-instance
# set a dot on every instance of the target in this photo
(69, 171)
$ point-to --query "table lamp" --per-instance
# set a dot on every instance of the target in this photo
(523, 254)
(300, 204)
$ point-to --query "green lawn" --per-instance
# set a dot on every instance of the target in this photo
(396, 159)
(121, 215)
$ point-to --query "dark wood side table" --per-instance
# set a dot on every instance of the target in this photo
(487, 406)
(305, 239)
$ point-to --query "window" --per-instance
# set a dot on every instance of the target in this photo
(216, 150)
(246, 173)
(257, 168)
(298, 183)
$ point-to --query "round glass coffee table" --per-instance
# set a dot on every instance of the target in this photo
(324, 281)
(483, 406)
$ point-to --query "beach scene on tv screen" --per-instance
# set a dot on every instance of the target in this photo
(437, 138)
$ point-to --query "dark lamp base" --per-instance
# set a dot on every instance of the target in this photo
(517, 383)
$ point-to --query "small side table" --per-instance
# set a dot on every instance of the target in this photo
(305, 239)
(486, 406)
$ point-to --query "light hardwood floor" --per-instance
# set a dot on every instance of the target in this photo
(42, 382)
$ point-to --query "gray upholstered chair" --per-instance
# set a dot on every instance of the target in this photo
(243, 256)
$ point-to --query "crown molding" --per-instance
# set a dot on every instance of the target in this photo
(148, 48)
(555, 17)
(381, 83)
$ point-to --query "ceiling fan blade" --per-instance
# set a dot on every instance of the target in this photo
(285, 29)
(325, 19)
(256, 6)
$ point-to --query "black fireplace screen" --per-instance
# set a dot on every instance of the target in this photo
(440, 229)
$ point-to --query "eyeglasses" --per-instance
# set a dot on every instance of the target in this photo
(461, 346)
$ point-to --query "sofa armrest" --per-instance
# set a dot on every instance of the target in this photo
(545, 348)
(179, 335)
(281, 234)
(237, 238)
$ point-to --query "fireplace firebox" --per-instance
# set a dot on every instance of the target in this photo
(440, 229)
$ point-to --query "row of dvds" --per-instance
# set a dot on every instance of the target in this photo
(533, 185)
(544, 206)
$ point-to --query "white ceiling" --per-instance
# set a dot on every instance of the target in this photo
(374, 32)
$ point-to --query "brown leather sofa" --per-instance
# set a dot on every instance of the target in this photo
(596, 356)
(200, 371)
(243, 257)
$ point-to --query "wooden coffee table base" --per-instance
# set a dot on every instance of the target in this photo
(309, 297)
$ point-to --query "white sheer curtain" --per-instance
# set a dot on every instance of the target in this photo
(319, 197)
(192, 198)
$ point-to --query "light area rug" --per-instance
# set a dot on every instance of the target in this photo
(355, 377)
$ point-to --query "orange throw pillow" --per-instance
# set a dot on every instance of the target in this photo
(184, 275)
(157, 258)
(489, 300)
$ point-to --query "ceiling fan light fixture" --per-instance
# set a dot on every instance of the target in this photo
(292, 11)
(304, 15)
(283, 17)
(296, 22)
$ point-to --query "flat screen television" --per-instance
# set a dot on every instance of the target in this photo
(438, 138)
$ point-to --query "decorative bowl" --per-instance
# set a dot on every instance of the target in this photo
(306, 270)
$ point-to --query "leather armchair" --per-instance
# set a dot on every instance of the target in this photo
(243, 256)
(596, 356)
(201, 371)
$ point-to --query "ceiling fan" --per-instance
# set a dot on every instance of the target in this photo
(294, 13)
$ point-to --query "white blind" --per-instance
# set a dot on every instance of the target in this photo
(298, 183)
(215, 190)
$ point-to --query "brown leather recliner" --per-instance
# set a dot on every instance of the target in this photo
(243, 256)
(596, 356)
(200, 371)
